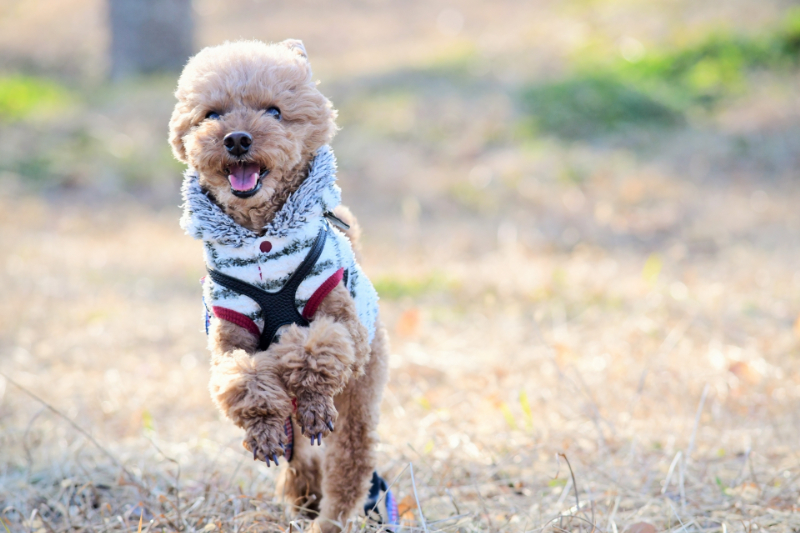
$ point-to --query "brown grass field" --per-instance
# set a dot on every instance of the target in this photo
(588, 333)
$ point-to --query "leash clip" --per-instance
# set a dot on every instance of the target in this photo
(336, 221)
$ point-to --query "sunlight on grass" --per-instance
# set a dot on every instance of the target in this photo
(456, 60)
(24, 96)
(652, 269)
(508, 416)
(542, 296)
(390, 113)
(394, 288)
(657, 87)
(96, 136)
(591, 105)
(526, 409)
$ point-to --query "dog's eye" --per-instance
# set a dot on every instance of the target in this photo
(213, 115)
(274, 111)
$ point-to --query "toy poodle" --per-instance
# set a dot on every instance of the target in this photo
(297, 347)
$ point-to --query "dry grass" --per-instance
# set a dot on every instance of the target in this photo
(627, 304)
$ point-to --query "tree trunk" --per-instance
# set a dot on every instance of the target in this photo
(150, 36)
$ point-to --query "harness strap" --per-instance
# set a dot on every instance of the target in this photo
(278, 308)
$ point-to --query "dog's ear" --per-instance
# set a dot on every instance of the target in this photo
(296, 46)
(179, 125)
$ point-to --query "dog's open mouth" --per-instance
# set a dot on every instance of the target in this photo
(245, 178)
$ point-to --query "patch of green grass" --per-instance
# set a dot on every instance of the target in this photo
(457, 60)
(475, 198)
(112, 133)
(22, 96)
(394, 288)
(388, 113)
(35, 169)
(658, 88)
(585, 106)
(708, 71)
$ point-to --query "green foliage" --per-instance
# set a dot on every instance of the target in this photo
(526, 409)
(508, 415)
(35, 168)
(394, 288)
(590, 105)
(22, 96)
(652, 269)
(788, 39)
(104, 133)
(658, 88)
(703, 73)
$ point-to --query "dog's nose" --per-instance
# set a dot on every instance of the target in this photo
(237, 142)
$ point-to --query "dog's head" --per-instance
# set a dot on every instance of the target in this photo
(249, 118)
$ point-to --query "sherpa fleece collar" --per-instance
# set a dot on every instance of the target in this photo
(203, 219)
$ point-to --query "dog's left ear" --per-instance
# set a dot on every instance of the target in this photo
(296, 45)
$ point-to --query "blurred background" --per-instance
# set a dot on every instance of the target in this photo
(581, 217)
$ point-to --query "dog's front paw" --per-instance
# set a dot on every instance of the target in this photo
(316, 415)
(264, 438)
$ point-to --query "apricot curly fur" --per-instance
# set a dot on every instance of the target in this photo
(316, 358)
(329, 367)
(225, 337)
(246, 386)
(239, 81)
(340, 306)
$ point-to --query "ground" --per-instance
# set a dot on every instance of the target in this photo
(591, 326)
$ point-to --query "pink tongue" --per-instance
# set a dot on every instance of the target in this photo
(243, 176)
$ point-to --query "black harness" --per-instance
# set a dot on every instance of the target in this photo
(277, 308)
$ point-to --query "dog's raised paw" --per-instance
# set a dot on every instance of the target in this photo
(264, 438)
(316, 416)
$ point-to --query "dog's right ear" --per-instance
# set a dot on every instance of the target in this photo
(297, 46)
(179, 126)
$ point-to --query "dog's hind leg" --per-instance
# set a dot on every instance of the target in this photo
(299, 486)
(350, 449)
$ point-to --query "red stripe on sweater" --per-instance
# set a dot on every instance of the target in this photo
(234, 317)
(321, 292)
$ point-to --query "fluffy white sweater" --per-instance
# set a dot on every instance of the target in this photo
(267, 261)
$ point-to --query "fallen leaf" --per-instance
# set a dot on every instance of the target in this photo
(408, 323)
(641, 527)
(405, 504)
(745, 372)
(406, 508)
(564, 353)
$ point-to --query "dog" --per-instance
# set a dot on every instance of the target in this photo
(297, 346)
